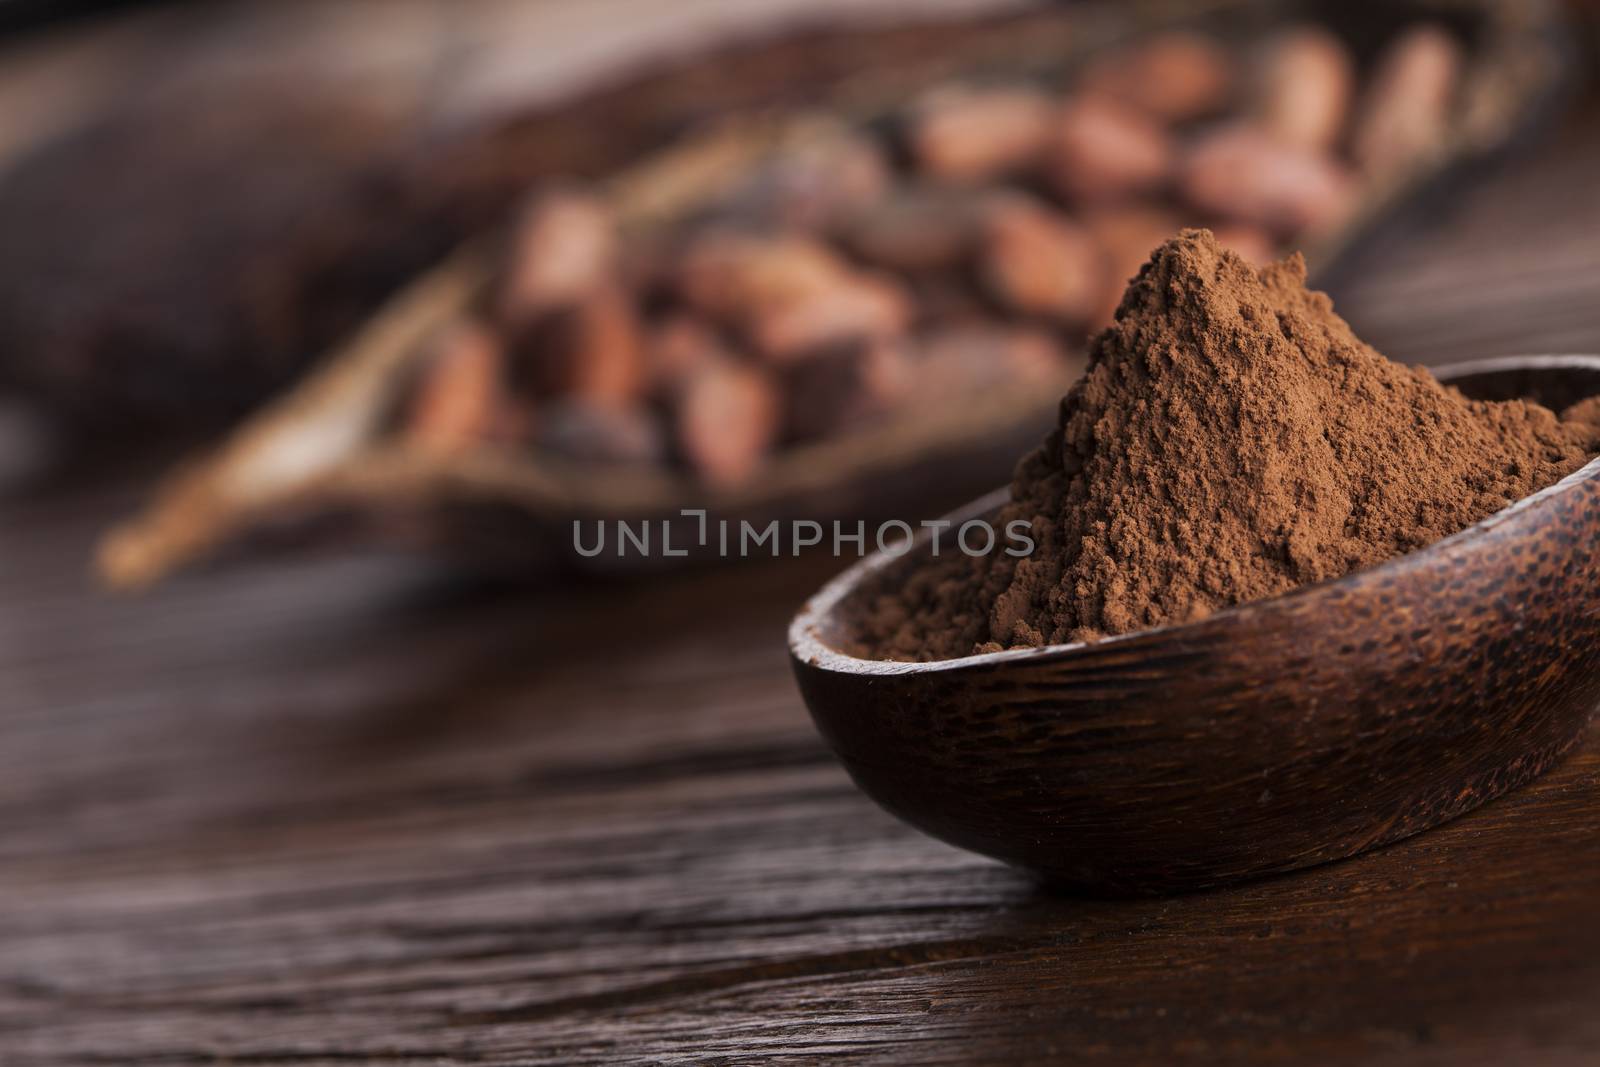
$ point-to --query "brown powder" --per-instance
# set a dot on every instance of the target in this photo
(1231, 440)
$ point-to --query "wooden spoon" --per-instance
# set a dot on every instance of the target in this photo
(1270, 736)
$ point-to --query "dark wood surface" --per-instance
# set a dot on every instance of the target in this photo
(349, 812)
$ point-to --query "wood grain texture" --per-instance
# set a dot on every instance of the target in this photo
(332, 815)
(347, 813)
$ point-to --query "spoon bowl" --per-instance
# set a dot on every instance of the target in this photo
(1270, 736)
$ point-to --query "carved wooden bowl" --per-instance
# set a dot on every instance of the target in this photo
(1268, 737)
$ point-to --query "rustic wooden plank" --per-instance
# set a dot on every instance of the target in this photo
(679, 869)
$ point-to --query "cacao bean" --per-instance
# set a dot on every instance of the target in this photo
(919, 229)
(1172, 76)
(969, 135)
(844, 387)
(1104, 150)
(564, 247)
(591, 350)
(1241, 173)
(1039, 262)
(727, 420)
(455, 402)
(1304, 81)
(1405, 109)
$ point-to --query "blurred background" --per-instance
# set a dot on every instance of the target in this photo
(614, 260)
(321, 323)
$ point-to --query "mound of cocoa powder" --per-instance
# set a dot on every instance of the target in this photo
(1232, 439)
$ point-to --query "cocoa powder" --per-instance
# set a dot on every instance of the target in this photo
(1232, 439)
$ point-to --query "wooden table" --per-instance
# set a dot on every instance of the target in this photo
(349, 812)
